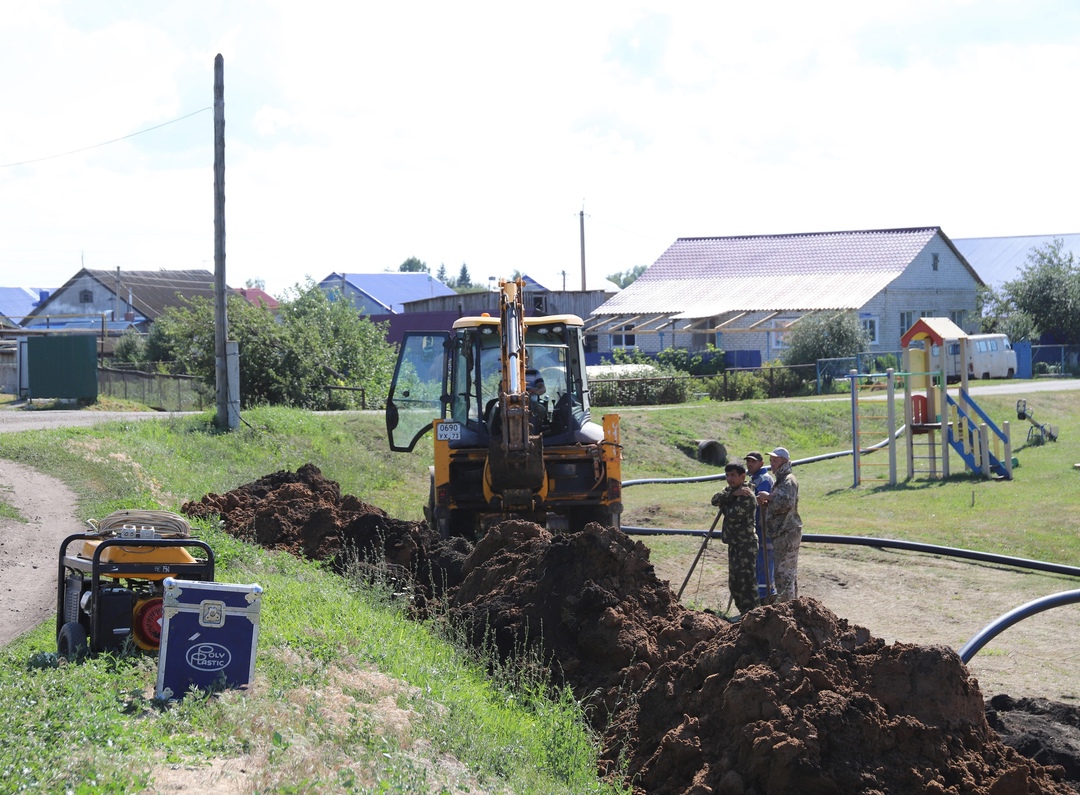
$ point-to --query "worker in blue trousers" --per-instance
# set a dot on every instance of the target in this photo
(761, 482)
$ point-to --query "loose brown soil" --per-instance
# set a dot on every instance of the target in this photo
(790, 699)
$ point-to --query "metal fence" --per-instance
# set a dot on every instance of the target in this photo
(157, 390)
(832, 373)
(1055, 360)
(735, 383)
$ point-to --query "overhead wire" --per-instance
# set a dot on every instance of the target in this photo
(105, 143)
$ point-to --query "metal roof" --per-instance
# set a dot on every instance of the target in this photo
(708, 276)
(17, 302)
(151, 291)
(392, 290)
(1000, 259)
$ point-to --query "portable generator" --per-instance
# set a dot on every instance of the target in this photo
(109, 582)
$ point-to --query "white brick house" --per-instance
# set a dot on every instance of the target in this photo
(741, 293)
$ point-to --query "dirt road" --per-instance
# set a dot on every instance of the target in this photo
(29, 549)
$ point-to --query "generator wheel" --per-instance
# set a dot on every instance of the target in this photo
(71, 643)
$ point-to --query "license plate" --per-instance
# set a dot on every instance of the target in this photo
(448, 431)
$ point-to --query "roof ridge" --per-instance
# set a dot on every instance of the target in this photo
(818, 234)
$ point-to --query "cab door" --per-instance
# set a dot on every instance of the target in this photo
(418, 392)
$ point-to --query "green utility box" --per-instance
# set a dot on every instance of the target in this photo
(62, 367)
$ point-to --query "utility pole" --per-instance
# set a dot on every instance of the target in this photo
(581, 216)
(226, 387)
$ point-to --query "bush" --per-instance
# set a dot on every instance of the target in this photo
(771, 381)
(639, 391)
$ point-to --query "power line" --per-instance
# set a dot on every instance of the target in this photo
(105, 143)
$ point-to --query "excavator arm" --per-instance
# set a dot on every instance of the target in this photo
(514, 476)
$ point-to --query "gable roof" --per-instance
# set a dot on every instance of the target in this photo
(18, 302)
(257, 297)
(151, 292)
(935, 329)
(1000, 259)
(392, 290)
(701, 277)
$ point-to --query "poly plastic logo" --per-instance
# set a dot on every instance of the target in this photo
(208, 657)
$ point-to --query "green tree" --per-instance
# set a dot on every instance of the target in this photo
(413, 265)
(130, 348)
(441, 274)
(286, 361)
(627, 277)
(255, 284)
(1048, 292)
(824, 335)
(999, 315)
(464, 280)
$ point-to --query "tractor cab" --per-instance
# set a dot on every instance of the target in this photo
(457, 376)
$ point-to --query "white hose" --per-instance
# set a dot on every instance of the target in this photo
(165, 523)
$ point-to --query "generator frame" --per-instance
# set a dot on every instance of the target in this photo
(94, 576)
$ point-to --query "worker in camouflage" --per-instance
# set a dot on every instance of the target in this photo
(739, 506)
(783, 524)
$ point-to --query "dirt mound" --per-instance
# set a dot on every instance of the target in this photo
(589, 601)
(305, 513)
(791, 699)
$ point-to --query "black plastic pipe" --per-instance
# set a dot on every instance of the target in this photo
(810, 460)
(999, 625)
(888, 543)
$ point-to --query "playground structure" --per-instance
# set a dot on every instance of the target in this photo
(934, 420)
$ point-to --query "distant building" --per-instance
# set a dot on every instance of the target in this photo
(745, 293)
(118, 299)
(18, 302)
(257, 297)
(383, 293)
(1001, 259)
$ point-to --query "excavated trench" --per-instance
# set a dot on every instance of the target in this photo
(790, 699)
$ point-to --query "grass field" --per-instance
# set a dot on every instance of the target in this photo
(334, 660)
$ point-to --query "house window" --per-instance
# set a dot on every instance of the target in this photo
(623, 339)
(778, 341)
(870, 326)
(957, 317)
(934, 261)
(907, 320)
(86, 297)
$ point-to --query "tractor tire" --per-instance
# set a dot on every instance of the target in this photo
(579, 517)
(71, 643)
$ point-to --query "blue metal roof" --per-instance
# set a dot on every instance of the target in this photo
(391, 290)
(16, 302)
(1000, 259)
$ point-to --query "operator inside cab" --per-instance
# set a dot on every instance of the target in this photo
(539, 402)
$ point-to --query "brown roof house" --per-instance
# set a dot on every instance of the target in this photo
(743, 293)
(118, 299)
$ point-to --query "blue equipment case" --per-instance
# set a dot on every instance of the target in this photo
(208, 636)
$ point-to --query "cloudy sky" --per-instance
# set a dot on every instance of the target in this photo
(361, 134)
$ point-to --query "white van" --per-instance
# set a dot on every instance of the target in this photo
(989, 356)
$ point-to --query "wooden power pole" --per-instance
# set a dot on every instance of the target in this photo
(225, 418)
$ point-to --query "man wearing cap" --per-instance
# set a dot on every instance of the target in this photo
(761, 482)
(539, 402)
(783, 524)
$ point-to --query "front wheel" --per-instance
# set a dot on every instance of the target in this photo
(71, 644)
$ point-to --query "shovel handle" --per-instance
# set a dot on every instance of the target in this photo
(699, 553)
